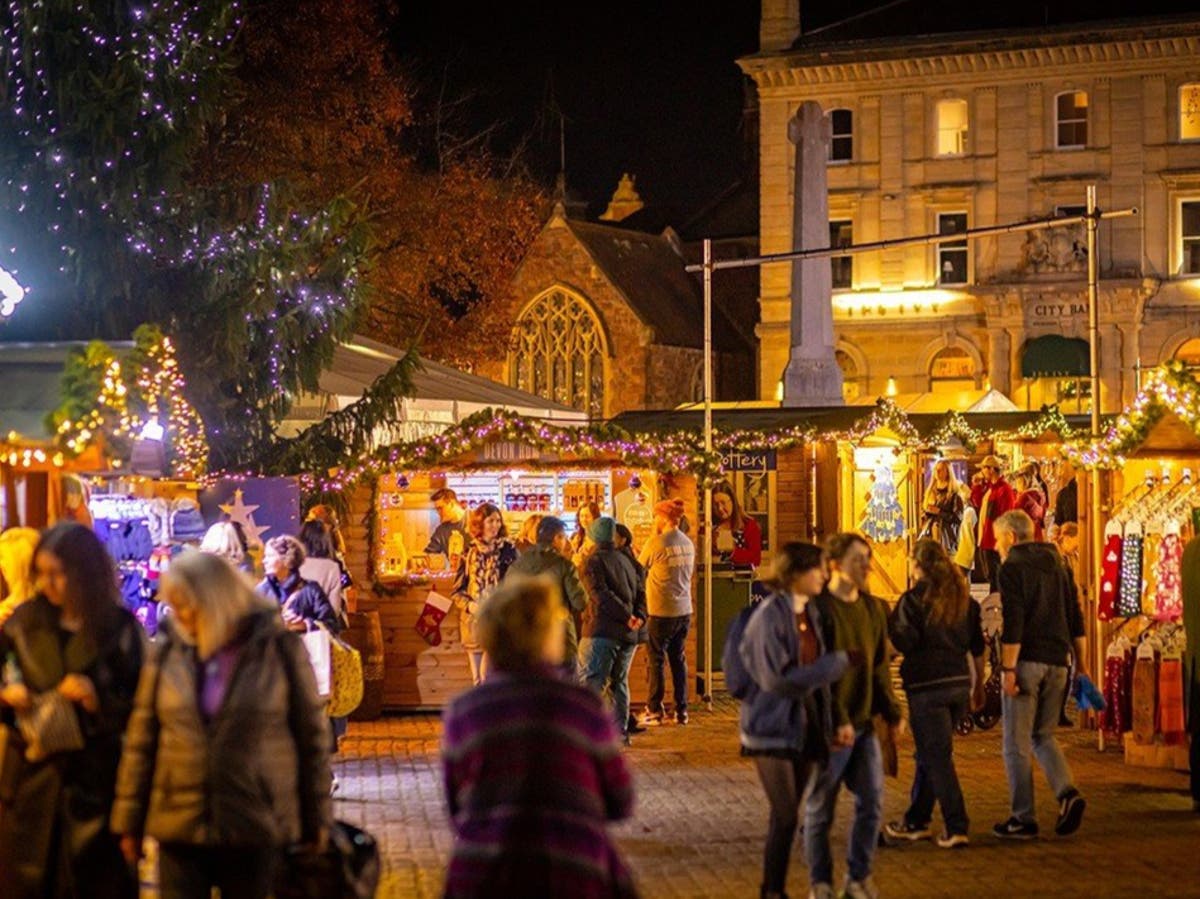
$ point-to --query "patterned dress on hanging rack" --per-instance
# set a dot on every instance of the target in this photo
(1168, 597)
(1129, 591)
(1151, 547)
(1110, 571)
(1114, 720)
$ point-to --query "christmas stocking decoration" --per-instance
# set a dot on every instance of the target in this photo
(429, 625)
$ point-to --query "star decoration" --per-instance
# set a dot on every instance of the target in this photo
(243, 513)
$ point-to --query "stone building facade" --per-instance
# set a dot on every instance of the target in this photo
(940, 134)
(605, 319)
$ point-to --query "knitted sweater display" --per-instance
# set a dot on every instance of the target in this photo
(1168, 595)
(1129, 590)
(1110, 577)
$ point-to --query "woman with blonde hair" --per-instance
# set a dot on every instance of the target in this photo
(937, 626)
(16, 566)
(532, 766)
(942, 507)
(222, 540)
(226, 757)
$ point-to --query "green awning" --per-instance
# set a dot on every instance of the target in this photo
(1055, 356)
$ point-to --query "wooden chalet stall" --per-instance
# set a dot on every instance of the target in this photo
(523, 466)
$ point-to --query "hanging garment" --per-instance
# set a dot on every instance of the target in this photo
(1168, 597)
(1129, 591)
(1151, 553)
(1145, 699)
(1114, 720)
(1110, 574)
(1170, 700)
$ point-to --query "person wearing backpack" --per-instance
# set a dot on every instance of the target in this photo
(777, 663)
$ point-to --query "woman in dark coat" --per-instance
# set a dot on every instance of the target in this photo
(227, 754)
(74, 637)
(303, 603)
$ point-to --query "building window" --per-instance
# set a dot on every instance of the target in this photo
(1189, 230)
(852, 378)
(1071, 119)
(841, 147)
(841, 234)
(952, 370)
(558, 353)
(952, 255)
(1189, 355)
(951, 127)
(1189, 112)
(1069, 210)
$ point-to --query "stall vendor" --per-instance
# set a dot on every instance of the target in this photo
(450, 537)
(737, 537)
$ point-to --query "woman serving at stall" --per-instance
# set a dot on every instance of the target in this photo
(737, 538)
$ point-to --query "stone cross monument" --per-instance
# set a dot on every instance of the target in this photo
(812, 376)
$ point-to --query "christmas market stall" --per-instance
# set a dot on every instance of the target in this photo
(1147, 465)
(525, 468)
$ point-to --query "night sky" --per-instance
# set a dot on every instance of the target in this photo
(649, 86)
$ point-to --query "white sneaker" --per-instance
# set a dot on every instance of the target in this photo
(822, 891)
(861, 889)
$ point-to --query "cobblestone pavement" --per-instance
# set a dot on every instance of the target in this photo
(701, 817)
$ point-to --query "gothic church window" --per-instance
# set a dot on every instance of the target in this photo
(952, 123)
(558, 352)
(1071, 109)
(841, 147)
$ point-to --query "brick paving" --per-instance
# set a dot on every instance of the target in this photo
(700, 820)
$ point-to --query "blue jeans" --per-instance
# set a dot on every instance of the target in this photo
(1029, 721)
(860, 767)
(606, 664)
(933, 714)
(668, 640)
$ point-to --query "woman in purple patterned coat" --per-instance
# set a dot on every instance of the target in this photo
(532, 763)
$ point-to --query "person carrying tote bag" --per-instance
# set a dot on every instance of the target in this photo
(72, 656)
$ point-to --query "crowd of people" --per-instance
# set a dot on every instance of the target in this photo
(212, 740)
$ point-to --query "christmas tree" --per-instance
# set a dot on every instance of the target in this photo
(107, 109)
(883, 518)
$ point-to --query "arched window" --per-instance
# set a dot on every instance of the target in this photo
(1189, 111)
(1070, 119)
(951, 118)
(951, 370)
(852, 386)
(1189, 354)
(558, 352)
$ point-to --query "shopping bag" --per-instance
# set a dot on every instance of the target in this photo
(348, 869)
(49, 726)
(346, 687)
(317, 642)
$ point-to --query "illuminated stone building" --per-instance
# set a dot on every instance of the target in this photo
(944, 132)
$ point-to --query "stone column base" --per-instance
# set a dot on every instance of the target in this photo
(811, 381)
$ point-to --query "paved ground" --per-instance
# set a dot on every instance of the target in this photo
(701, 817)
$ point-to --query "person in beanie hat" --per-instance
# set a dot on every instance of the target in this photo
(992, 496)
(669, 558)
(616, 611)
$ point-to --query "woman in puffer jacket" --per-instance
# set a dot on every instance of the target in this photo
(226, 758)
(786, 720)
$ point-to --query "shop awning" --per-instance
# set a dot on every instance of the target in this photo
(1055, 356)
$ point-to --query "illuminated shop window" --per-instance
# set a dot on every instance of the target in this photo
(558, 353)
(1189, 112)
(952, 370)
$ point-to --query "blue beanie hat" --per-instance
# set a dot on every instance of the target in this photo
(602, 530)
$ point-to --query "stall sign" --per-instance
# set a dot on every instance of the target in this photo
(739, 460)
(507, 451)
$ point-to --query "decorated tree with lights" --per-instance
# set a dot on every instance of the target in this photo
(883, 517)
(106, 111)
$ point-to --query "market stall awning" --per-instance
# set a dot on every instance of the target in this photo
(1055, 356)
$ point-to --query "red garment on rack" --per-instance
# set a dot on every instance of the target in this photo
(1170, 701)
(1168, 599)
(1114, 720)
(1110, 576)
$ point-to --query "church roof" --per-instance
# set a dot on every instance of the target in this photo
(650, 274)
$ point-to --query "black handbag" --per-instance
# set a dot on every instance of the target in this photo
(347, 869)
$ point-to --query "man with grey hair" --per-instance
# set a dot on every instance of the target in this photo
(551, 556)
(1043, 624)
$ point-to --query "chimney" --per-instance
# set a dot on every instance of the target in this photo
(780, 25)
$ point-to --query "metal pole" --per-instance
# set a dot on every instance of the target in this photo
(969, 234)
(708, 445)
(1097, 548)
